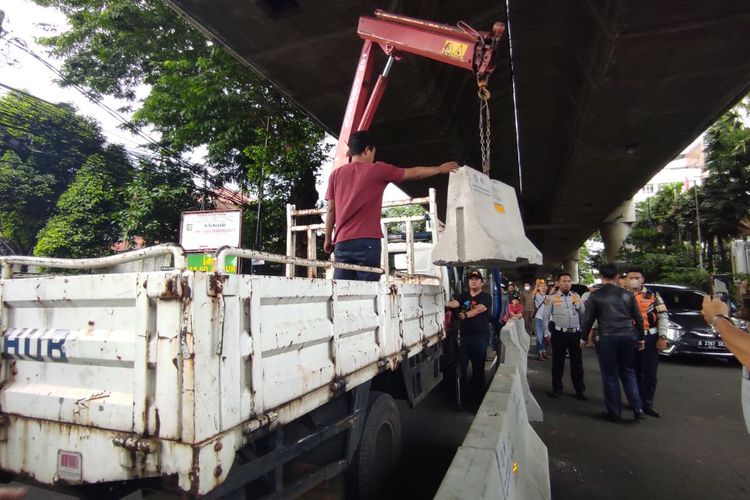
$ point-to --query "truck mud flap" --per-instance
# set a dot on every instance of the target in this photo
(421, 373)
(272, 462)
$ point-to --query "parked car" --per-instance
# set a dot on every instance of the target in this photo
(688, 332)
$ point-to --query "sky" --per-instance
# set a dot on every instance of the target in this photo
(25, 22)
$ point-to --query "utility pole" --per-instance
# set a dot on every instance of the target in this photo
(698, 226)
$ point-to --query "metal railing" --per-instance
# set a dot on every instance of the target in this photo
(244, 253)
(178, 255)
(314, 231)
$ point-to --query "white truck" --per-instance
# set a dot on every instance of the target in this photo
(208, 384)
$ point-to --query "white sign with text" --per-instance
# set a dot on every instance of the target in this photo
(209, 230)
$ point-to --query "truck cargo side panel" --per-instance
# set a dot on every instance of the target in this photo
(72, 347)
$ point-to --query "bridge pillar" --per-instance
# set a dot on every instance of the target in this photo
(570, 265)
(616, 229)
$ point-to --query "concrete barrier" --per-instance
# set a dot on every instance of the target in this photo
(483, 225)
(516, 344)
(502, 457)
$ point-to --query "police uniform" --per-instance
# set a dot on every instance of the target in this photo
(563, 313)
(655, 321)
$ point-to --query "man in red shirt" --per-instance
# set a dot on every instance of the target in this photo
(355, 198)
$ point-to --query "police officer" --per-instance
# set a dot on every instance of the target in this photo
(563, 311)
(655, 321)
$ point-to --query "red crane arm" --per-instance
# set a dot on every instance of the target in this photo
(396, 35)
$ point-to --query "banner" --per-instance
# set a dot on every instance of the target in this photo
(205, 262)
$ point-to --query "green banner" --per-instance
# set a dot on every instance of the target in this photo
(205, 262)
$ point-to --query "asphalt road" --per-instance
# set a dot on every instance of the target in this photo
(699, 450)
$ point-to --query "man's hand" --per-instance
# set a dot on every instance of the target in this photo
(448, 167)
(661, 344)
(712, 308)
(640, 345)
(328, 245)
(590, 344)
(582, 344)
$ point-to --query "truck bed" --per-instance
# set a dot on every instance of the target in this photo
(118, 376)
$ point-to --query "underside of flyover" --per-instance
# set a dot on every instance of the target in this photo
(606, 91)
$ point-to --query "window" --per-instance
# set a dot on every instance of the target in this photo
(680, 299)
(648, 188)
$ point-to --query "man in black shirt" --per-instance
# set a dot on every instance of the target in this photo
(474, 324)
(620, 329)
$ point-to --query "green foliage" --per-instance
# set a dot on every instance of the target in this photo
(406, 211)
(726, 198)
(199, 96)
(42, 146)
(23, 202)
(665, 239)
(154, 200)
(84, 225)
(589, 260)
(65, 193)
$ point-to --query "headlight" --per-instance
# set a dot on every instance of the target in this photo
(739, 323)
(674, 331)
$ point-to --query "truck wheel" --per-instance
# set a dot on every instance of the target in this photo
(379, 450)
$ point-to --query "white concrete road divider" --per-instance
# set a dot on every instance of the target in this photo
(502, 457)
(516, 344)
(483, 225)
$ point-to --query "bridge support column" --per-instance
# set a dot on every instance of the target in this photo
(616, 229)
(570, 265)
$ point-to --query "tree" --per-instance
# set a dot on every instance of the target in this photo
(406, 211)
(154, 200)
(85, 224)
(199, 96)
(726, 191)
(42, 146)
(23, 201)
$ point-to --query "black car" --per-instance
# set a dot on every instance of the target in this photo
(688, 332)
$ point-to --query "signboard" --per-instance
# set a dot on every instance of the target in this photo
(205, 262)
(211, 229)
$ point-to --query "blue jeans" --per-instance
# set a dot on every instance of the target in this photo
(617, 360)
(539, 331)
(363, 252)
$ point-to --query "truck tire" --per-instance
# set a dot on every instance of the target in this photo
(379, 449)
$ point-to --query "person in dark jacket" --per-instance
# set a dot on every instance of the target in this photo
(620, 330)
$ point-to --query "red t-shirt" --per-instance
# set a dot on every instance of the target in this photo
(357, 193)
(515, 308)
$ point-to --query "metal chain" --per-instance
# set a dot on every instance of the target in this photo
(484, 126)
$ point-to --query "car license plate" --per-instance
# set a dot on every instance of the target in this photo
(69, 465)
(713, 344)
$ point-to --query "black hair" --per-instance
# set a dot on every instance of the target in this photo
(608, 271)
(635, 270)
(359, 141)
(564, 274)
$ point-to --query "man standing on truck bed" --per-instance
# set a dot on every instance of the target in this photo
(355, 198)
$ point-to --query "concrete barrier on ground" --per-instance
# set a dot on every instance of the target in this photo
(516, 344)
(502, 456)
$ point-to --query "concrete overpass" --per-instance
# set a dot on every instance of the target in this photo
(607, 91)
